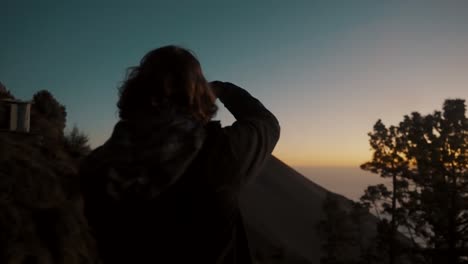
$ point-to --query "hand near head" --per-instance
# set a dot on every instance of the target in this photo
(219, 86)
(216, 87)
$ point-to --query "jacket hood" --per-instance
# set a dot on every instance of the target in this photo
(145, 157)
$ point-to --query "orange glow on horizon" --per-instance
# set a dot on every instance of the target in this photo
(322, 158)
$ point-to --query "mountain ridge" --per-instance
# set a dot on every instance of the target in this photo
(285, 207)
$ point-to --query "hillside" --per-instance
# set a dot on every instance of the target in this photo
(41, 219)
(284, 208)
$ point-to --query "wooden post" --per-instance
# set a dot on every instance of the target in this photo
(23, 117)
(13, 117)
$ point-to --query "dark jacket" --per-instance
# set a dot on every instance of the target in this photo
(165, 189)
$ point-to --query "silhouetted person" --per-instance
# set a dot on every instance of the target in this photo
(164, 188)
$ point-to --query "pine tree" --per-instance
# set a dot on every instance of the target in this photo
(426, 159)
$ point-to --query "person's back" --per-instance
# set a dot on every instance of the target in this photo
(164, 188)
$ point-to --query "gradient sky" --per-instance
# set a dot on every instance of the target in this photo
(327, 69)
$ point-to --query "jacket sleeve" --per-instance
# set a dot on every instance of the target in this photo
(254, 134)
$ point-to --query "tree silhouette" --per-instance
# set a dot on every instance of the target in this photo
(339, 233)
(77, 143)
(48, 116)
(426, 158)
(4, 109)
(4, 93)
(344, 237)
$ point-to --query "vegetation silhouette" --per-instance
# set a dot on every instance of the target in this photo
(423, 217)
(41, 218)
(426, 158)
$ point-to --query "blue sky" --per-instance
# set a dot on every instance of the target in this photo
(327, 69)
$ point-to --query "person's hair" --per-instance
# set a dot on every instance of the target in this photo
(167, 76)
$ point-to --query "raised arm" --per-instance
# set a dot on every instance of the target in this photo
(254, 134)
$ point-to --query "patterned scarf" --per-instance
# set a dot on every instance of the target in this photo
(145, 157)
